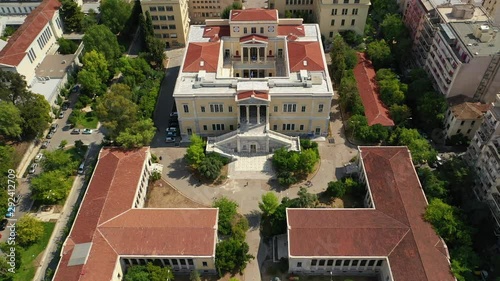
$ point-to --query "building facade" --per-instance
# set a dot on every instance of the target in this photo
(199, 10)
(18, 8)
(254, 72)
(109, 232)
(484, 154)
(170, 20)
(492, 7)
(389, 238)
(33, 41)
(464, 118)
(332, 16)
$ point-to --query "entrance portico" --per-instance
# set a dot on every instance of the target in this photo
(253, 107)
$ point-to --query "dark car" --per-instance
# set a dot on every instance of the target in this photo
(3, 224)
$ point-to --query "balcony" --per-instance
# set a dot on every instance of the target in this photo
(494, 207)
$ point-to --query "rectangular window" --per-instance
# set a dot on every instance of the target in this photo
(161, 8)
(288, 127)
(202, 109)
(216, 108)
(314, 261)
(329, 263)
(186, 108)
(331, 34)
(205, 264)
(344, 11)
(356, 1)
(462, 123)
(321, 262)
(174, 262)
(346, 1)
(183, 261)
(165, 35)
(346, 262)
(254, 30)
(354, 262)
(152, 9)
(275, 108)
(472, 123)
(231, 127)
(190, 261)
(320, 107)
(302, 127)
(218, 127)
(171, 26)
(299, 264)
(169, 8)
(170, 17)
(245, 30)
(342, 23)
(163, 17)
(156, 26)
(353, 22)
(275, 127)
(164, 27)
(459, 130)
(363, 263)
(173, 35)
(371, 262)
(205, 127)
(355, 11)
(338, 262)
(334, 12)
(332, 23)
(261, 30)
(289, 107)
(154, 17)
(303, 108)
(230, 109)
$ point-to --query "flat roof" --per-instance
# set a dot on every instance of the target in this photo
(465, 32)
(393, 228)
(55, 66)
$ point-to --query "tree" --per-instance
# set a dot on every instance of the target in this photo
(72, 16)
(89, 20)
(399, 113)
(6, 273)
(381, 8)
(50, 187)
(13, 87)
(445, 220)
(210, 167)
(66, 46)
(235, 6)
(137, 273)
(116, 111)
(59, 160)
(115, 13)
(390, 92)
(430, 111)
(94, 61)
(63, 144)
(91, 82)
(307, 160)
(10, 120)
(102, 40)
(306, 199)
(343, 58)
(269, 204)
(29, 230)
(232, 255)
(156, 49)
(380, 53)
(421, 150)
(227, 212)
(349, 96)
(393, 28)
(433, 186)
(35, 112)
(139, 134)
(240, 228)
(149, 272)
(195, 153)
(194, 276)
(336, 189)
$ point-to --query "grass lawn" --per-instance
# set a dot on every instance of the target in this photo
(30, 254)
(86, 121)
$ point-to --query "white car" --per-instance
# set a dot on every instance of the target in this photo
(33, 168)
(171, 129)
(87, 131)
(38, 157)
(169, 139)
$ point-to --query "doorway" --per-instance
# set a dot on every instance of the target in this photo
(253, 148)
(317, 132)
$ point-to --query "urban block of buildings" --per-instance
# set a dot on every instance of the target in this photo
(332, 16)
(200, 10)
(113, 230)
(464, 116)
(253, 83)
(458, 46)
(484, 155)
(389, 238)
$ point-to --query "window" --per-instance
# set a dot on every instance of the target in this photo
(346, 1)
(216, 108)
(331, 34)
(165, 35)
(261, 30)
(186, 108)
(205, 264)
(174, 262)
(245, 30)
(353, 22)
(205, 127)
(320, 107)
(344, 11)
(218, 127)
(321, 262)
(468, 131)
(169, 8)
(155, 26)
(230, 109)
(289, 107)
(356, 1)
(275, 108)
(342, 23)
(163, 17)
(302, 127)
(329, 263)
(183, 261)
(152, 9)
(472, 123)
(170, 17)
(254, 29)
(231, 127)
(171, 26)
(458, 131)
(355, 263)
(164, 27)
(314, 261)
(355, 11)
(154, 17)
(202, 109)
(161, 8)
(299, 264)
(303, 108)
(332, 23)
(371, 262)
(190, 261)
(379, 262)
(275, 127)
(173, 35)
(338, 262)
(363, 263)
(289, 127)
(334, 12)
(346, 262)
(462, 123)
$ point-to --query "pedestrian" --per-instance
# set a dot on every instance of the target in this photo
(161, 158)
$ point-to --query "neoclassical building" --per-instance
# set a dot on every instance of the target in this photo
(253, 83)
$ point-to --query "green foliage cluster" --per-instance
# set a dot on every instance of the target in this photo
(227, 11)
(380, 53)
(343, 58)
(305, 15)
(66, 46)
(149, 272)
(231, 254)
(339, 188)
(195, 153)
(291, 166)
(115, 14)
(23, 114)
(72, 16)
(392, 91)
(94, 75)
(433, 186)
(209, 165)
(6, 163)
(154, 46)
(421, 150)
(101, 39)
(358, 125)
(29, 230)
(349, 97)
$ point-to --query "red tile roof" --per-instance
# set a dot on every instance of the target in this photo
(107, 220)
(253, 37)
(375, 111)
(297, 30)
(395, 228)
(17, 46)
(249, 94)
(305, 56)
(211, 31)
(202, 56)
(254, 15)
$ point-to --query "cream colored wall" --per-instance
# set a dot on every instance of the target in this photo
(468, 78)
(493, 9)
(17, 8)
(118, 271)
(197, 7)
(455, 125)
(243, 25)
(181, 20)
(307, 268)
(324, 9)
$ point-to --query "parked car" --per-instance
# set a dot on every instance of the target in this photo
(75, 132)
(61, 115)
(87, 131)
(76, 89)
(174, 114)
(172, 129)
(50, 135)
(45, 144)
(3, 224)
(171, 134)
(65, 106)
(17, 199)
(33, 168)
(169, 139)
(10, 212)
(53, 127)
(81, 169)
(173, 123)
(38, 157)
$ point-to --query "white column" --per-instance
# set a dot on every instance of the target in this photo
(258, 114)
(258, 53)
(267, 114)
(248, 114)
(238, 143)
(265, 54)
(241, 53)
(238, 119)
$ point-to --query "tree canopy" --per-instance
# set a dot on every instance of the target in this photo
(72, 16)
(50, 187)
(195, 153)
(421, 150)
(379, 53)
(232, 255)
(235, 6)
(101, 39)
(10, 120)
(139, 134)
(115, 13)
(269, 204)
(227, 212)
(149, 272)
(29, 230)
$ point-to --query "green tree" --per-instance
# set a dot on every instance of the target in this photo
(137, 273)
(380, 53)
(349, 96)
(13, 87)
(139, 134)
(72, 16)
(210, 167)
(50, 187)
(232, 255)
(307, 160)
(227, 212)
(269, 204)
(156, 50)
(29, 230)
(159, 273)
(10, 120)
(194, 276)
(336, 189)
(116, 111)
(89, 20)
(226, 12)
(306, 199)
(240, 228)
(66, 46)
(35, 111)
(431, 110)
(393, 28)
(446, 221)
(399, 113)
(94, 61)
(421, 150)
(381, 8)
(115, 13)
(195, 153)
(5, 273)
(102, 40)
(91, 82)
(343, 58)
(433, 186)
(59, 160)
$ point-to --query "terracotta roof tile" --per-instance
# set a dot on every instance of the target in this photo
(375, 111)
(253, 37)
(415, 251)
(202, 56)
(107, 220)
(305, 56)
(17, 46)
(211, 31)
(297, 30)
(253, 15)
(248, 94)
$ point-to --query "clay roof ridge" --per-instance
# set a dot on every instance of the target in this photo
(397, 244)
(398, 189)
(107, 241)
(410, 232)
(473, 107)
(111, 219)
(110, 185)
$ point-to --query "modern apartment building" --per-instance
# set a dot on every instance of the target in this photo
(170, 20)
(484, 154)
(113, 229)
(389, 238)
(457, 44)
(331, 15)
(254, 82)
(200, 10)
(463, 117)
(492, 7)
